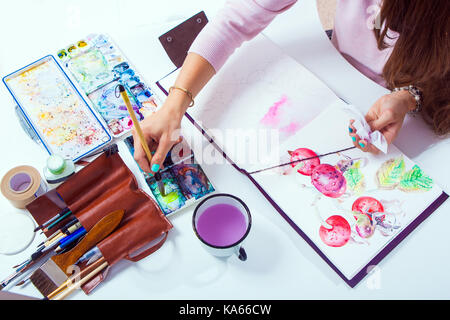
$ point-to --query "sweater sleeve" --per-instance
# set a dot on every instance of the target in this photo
(236, 22)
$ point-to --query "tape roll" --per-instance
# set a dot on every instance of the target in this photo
(21, 185)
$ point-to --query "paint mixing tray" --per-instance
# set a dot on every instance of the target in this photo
(98, 66)
(56, 112)
(185, 181)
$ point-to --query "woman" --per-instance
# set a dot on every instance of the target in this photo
(404, 47)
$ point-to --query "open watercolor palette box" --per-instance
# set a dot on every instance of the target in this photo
(69, 103)
(184, 180)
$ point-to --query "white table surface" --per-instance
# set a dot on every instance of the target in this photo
(280, 264)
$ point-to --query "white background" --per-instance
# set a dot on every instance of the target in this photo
(280, 264)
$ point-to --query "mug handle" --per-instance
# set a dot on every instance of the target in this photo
(241, 254)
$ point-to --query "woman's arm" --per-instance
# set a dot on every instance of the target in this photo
(238, 21)
(161, 129)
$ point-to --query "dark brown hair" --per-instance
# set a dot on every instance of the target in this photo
(421, 54)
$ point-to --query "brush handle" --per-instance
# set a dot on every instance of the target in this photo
(76, 285)
(51, 220)
(67, 241)
(65, 215)
(98, 232)
(136, 125)
(301, 160)
(83, 273)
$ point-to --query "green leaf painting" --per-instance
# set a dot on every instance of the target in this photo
(415, 180)
(390, 173)
(355, 178)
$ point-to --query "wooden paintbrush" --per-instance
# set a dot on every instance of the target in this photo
(53, 273)
(141, 137)
(71, 288)
(73, 278)
(52, 219)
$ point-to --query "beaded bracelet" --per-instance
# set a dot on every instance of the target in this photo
(416, 93)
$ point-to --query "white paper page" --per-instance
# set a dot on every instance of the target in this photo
(295, 193)
(260, 91)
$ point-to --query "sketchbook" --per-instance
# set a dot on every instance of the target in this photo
(352, 207)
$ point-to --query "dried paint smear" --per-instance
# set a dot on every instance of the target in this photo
(282, 116)
(58, 113)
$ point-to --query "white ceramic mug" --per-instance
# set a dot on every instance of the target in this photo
(228, 249)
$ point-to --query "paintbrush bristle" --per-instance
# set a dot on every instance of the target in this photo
(42, 282)
(48, 277)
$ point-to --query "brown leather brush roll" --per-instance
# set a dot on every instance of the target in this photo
(129, 238)
(115, 189)
(45, 207)
(104, 186)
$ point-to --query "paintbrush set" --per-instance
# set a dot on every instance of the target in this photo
(89, 230)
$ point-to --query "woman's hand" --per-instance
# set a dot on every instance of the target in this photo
(386, 116)
(161, 131)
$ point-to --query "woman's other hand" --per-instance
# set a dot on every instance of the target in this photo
(386, 116)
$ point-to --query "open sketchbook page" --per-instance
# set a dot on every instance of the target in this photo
(260, 90)
(351, 204)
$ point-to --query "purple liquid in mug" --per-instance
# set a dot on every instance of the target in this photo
(221, 225)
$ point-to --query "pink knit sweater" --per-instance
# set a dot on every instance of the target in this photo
(241, 20)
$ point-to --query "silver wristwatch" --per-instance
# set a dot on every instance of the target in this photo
(416, 93)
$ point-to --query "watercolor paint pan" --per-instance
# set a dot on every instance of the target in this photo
(56, 110)
(99, 64)
(184, 179)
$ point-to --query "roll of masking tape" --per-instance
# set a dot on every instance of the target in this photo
(21, 185)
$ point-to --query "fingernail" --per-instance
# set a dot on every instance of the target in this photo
(354, 139)
(155, 167)
(362, 145)
(350, 130)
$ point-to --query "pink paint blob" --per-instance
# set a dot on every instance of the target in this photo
(291, 128)
(126, 123)
(338, 235)
(328, 180)
(272, 117)
(306, 167)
